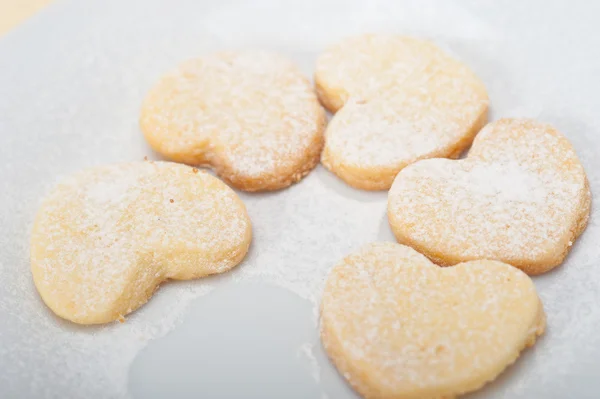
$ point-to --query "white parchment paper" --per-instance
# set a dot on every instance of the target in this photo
(71, 82)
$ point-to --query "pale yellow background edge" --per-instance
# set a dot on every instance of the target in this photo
(13, 12)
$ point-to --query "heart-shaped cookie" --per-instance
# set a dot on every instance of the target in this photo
(398, 326)
(368, 142)
(403, 99)
(521, 197)
(251, 116)
(104, 239)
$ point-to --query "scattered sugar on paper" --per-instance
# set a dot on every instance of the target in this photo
(306, 351)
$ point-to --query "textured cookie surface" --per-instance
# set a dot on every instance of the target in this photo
(106, 237)
(403, 99)
(521, 197)
(251, 116)
(398, 326)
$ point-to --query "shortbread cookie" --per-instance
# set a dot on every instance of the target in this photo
(397, 326)
(406, 100)
(369, 65)
(104, 239)
(251, 116)
(368, 143)
(521, 197)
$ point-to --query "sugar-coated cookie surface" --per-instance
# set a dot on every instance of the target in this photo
(251, 116)
(397, 326)
(403, 99)
(521, 197)
(106, 237)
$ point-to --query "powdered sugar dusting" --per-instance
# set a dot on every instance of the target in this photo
(102, 62)
(405, 100)
(108, 235)
(306, 350)
(521, 196)
(248, 114)
(370, 65)
(393, 131)
(394, 322)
